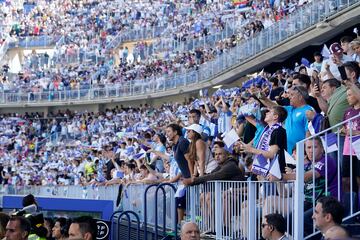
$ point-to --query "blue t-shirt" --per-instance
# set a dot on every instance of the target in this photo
(296, 125)
(259, 129)
(180, 149)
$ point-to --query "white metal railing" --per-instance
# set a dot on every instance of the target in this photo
(234, 210)
(331, 174)
(305, 17)
(75, 192)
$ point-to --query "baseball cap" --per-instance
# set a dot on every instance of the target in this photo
(195, 127)
(335, 48)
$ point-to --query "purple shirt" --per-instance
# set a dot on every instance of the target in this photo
(331, 173)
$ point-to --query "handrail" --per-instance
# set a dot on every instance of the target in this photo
(299, 184)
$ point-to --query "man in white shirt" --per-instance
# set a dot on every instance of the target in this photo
(329, 68)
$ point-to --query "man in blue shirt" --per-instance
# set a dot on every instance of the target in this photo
(180, 148)
(296, 123)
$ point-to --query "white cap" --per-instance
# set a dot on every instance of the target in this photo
(195, 127)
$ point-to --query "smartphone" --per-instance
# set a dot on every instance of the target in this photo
(317, 82)
(342, 73)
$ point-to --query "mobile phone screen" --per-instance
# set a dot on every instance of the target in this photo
(342, 73)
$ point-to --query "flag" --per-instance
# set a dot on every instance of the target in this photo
(241, 3)
(356, 147)
(230, 138)
(305, 62)
(275, 168)
(325, 52)
(289, 159)
(140, 155)
(330, 142)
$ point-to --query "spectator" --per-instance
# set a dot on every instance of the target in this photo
(49, 224)
(276, 90)
(274, 227)
(332, 101)
(352, 70)
(190, 231)
(296, 122)
(328, 216)
(4, 219)
(18, 228)
(345, 45)
(315, 161)
(304, 80)
(83, 228)
(225, 115)
(158, 145)
(180, 148)
(318, 62)
(227, 170)
(194, 118)
(61, 229)
(352, 133)
(329, 68)
(355, 46)
(272, 142)
(198, 150)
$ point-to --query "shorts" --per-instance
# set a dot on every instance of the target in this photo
(181, 202)
(346, 166)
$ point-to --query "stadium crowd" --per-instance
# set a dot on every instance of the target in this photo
(185, 142)
(41, 72)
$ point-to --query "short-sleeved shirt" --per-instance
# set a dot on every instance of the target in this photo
(180, 149)
(278, 137)
(330, 172)
(296, 125)
(355, 125)
(337, 106)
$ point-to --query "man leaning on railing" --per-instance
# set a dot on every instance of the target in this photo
(228, 169)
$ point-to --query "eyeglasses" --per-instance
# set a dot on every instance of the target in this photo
(263, 225)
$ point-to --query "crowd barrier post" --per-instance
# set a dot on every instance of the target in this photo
(252, 210)
(218, 211)
(161, 186)
(145, 208)
(127, 214)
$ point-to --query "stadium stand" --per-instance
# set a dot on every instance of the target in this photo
(278, 153)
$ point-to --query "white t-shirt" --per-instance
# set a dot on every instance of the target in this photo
(333, 67)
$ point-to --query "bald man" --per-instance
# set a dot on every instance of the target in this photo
(190, 231)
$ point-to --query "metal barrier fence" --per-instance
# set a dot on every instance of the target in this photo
(35, 41)
(141, 200)
(328, 171)
(115, 220)
(76, 192)
(303, 18)
(234, 210)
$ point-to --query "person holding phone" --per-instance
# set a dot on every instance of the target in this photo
(329, 68)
